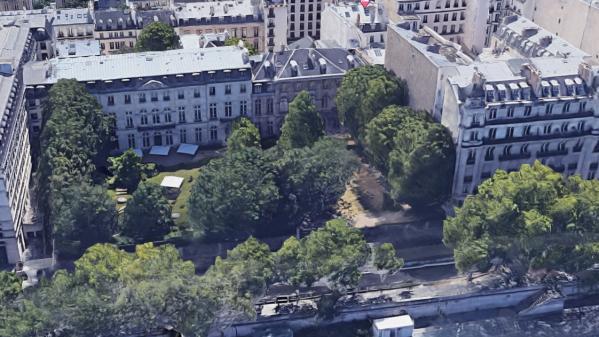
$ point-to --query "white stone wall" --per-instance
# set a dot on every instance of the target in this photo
(176, 129)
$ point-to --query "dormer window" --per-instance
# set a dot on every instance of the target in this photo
(580, 90)
(555, 88)
(546, 89)
(569, 86)
(489, 93)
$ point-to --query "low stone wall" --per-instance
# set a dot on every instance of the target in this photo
(417, 308)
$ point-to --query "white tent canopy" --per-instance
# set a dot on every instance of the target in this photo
(172, 182)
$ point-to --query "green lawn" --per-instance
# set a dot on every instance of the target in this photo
(180, 205)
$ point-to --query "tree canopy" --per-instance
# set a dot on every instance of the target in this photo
(533, 216)
(10, 287)
(233, 195)
(129, 170)
(364, 93)
(244, 134)
(76, 136)
(147, 216)
(416, 155)
(303, 124)
(157, 36)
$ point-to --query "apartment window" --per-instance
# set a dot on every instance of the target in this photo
(169, 137)
(549, 109)
(446, 17)
(110, 100)
(258, 107)
(527, 111)
(142, 97)
(510, 112)
(425, 19)
(566, 108)
(155, 117)
(243, 108)
(154, 97)
(582, 106)
(580, 126)
(547, 129)
(507, 150)
(578, 146)
(228, 109)
(167, 115)
(492, 114)
(127, 99)
(34, 117)
(183, 136)
(213, 133)
(255, 31)
(526, 131)
(180, 94)
(145, 139)
(144, 117)
(509, 133)
(269, 106)
(198, 134)
(197, 113)
(181, 111)
(129, 119)
(196, 92)
(212, 91)
(227, 89)
(492, 133)
(490, 154)
(131, 140)
(243, 32)
(212, 110)
(242, 88)
(166, 96)
(325, 102)
(524, 149)
(471, 157)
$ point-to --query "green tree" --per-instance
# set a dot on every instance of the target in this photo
(76, 136)
(233, 195)
(244, 134)
(83, 215)
(129, 170)
(534, 216)
(364, 93)
(286, 261)
(234, 41)
(336, 252)
(10, 287)
(147, 216)
(242, 276)
(303, 124)
(385, 258)
(422, 164)
(312, 179)
(157, 36)
(415, 154)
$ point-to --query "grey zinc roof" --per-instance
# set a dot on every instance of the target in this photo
(144, 18)
(116, 19)
(126, 66)
(307, 60)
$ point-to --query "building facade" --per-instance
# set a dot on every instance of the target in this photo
(577, 21)
(446, 17)
(16, 228)
(241, 19)
(506, 114)
(424, 59)
(275, 12)
(281, 76)
(304, 18)
(115, 30)
(160, 98)
(15, 5)
(352, 26)
(75, 23)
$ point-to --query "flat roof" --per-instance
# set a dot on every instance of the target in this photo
(209, 9)
(135, 65)
(72, 16)
(395, 322)
(77, 48)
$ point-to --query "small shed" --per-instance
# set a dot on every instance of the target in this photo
(172, 185)
(396, 326)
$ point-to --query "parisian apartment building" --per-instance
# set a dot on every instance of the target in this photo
(18, 229)
(532, 96)
(15, 5)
